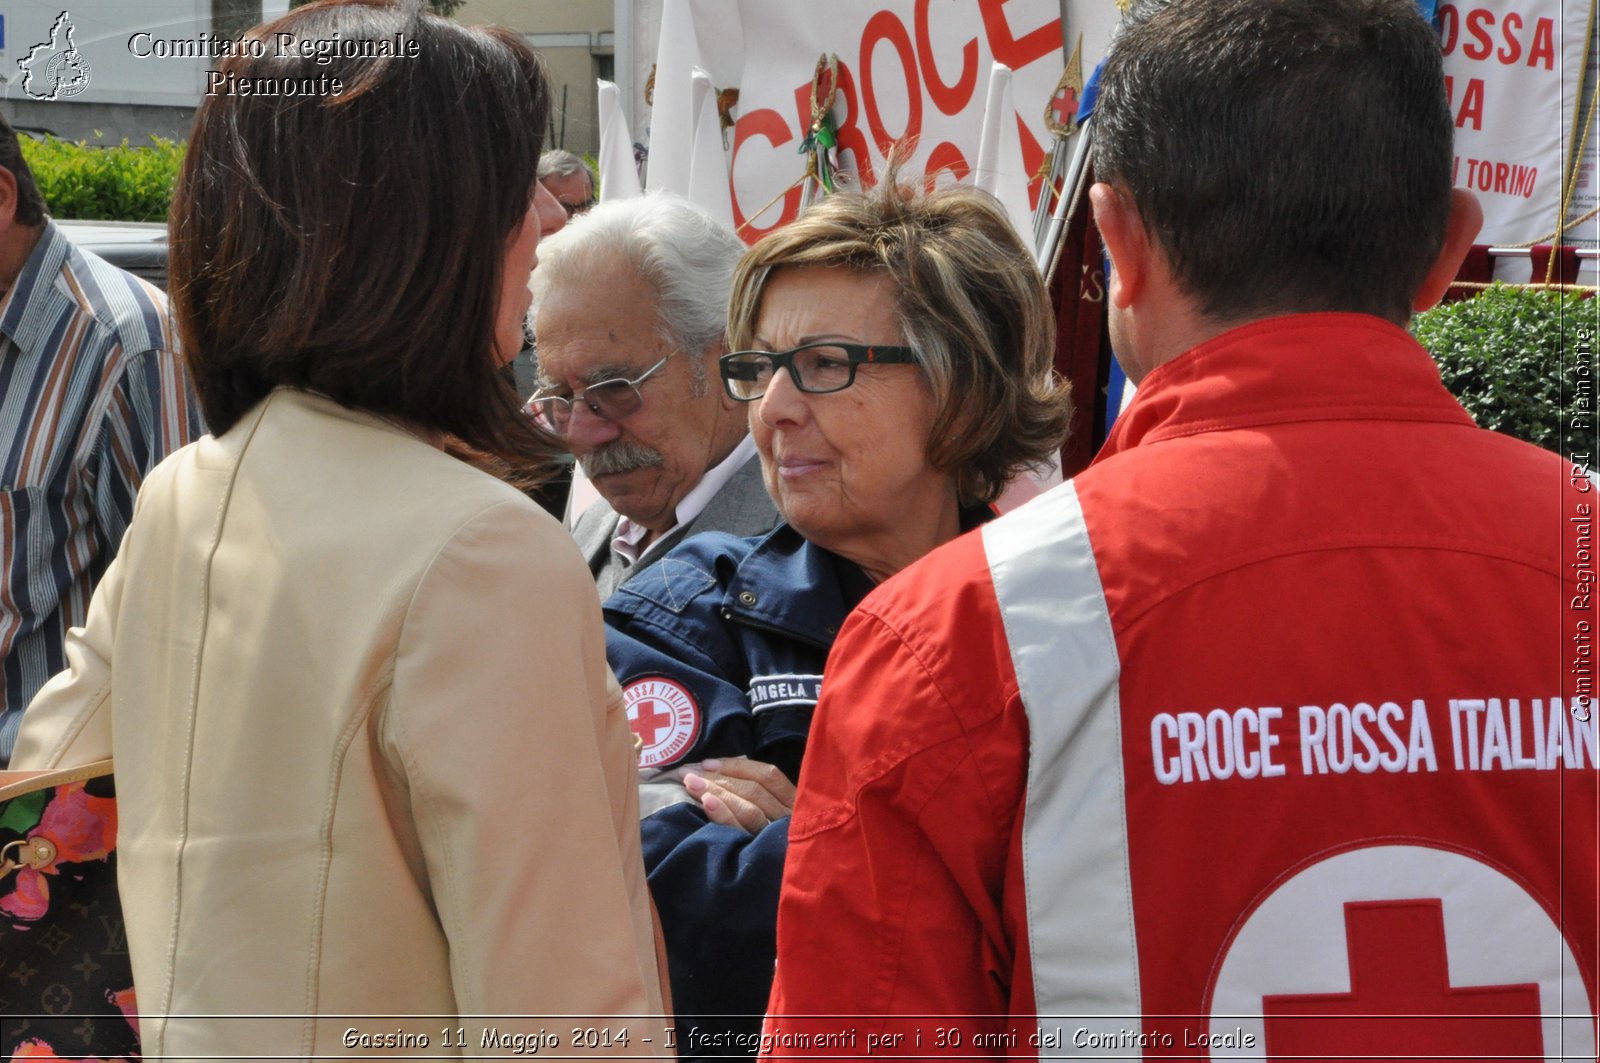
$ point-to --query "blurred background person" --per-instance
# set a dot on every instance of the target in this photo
(370, 760)
(631, 305)
(893, 353)
(568, 178)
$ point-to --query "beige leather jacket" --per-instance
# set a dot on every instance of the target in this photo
(376, 782)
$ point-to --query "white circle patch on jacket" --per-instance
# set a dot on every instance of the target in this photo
(1403, 945)
(664, 715)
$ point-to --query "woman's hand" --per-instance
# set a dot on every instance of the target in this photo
(740, 792)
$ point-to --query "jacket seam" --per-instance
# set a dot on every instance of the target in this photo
(1410, 413)
(684, 651)
(929, 855)
(80, 721)
(878, 767)
(422, 797)
(325, 858)
(223, 505)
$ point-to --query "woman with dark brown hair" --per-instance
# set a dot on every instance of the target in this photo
(370, 760)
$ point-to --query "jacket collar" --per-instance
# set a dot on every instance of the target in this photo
(1303, 367)
(794, 586)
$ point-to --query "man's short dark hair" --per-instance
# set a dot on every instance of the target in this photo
(352, 243)
(30, 204)
(560, 163)
(1286, 155)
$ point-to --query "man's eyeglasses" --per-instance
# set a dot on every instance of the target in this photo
(611, 400)
(817, 368)
(574, 209)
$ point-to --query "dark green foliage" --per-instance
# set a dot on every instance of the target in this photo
(1522, 361)
(118, 183)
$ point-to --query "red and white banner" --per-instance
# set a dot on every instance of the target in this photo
(1514, 69)
(907, 69)
(920, 68)
(1584, 192)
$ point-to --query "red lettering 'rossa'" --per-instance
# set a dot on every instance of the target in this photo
(1479, 42)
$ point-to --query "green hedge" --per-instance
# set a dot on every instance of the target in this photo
(119, 182)
(1522, 361)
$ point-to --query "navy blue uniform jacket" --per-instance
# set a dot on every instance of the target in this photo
(738, 629)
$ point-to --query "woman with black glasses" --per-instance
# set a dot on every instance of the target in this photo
(894, 351)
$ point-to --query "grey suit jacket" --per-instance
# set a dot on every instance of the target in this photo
(742, 507)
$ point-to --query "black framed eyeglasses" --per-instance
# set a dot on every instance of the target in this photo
(574, 209)
(611, 400)
(816, 368)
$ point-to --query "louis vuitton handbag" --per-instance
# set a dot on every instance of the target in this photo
(66, 987)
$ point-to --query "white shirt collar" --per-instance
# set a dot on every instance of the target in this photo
(625, 543)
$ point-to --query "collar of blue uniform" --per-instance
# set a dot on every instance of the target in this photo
(797, 587)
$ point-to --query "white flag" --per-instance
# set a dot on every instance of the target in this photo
(619, 176)
(708, 168)
(672, 113)
(1000, 170)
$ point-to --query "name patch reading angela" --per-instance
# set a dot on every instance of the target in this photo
(1477, 734)
(784, 691)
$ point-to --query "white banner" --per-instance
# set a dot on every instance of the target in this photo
(915, 69)
(920, 68)
(1513, 70)
(1585, 197)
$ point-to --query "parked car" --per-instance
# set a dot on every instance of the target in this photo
(140, 247)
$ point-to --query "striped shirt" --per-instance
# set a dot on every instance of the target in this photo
(92, 396)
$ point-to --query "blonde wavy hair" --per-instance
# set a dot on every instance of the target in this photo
(970, 302)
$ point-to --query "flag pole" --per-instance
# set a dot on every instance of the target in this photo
(1067, 202)
(1060, 113)
(1066, 115)
(820, 146)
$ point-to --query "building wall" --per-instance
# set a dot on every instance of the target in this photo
(99, 123)
(575, 38)
(129, 93)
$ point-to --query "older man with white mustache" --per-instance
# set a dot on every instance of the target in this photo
(630, 306)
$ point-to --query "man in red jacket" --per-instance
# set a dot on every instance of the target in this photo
(1271, 733)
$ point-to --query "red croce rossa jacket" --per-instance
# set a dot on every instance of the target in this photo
(1270, 732)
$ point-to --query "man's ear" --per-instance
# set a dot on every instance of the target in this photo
(1466, 218)
(1127, 244)
(8, 199)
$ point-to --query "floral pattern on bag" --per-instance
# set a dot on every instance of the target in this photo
(80, 827)
(37, 1049)
(65, 977)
